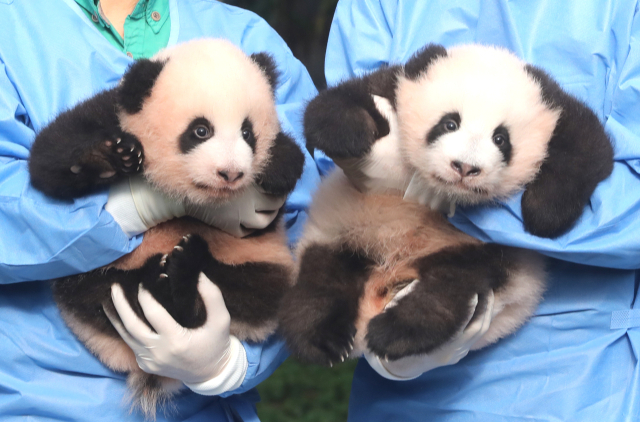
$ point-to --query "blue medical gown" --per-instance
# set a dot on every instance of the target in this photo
(576, 360)
(51, 57)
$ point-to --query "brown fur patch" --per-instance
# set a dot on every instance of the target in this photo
(268, 247)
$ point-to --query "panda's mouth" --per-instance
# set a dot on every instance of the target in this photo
(459, 184)
(217, 189)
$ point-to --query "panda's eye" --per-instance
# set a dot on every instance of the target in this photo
(499, 140)
(201, 132)
(450, 125)
(246, 134)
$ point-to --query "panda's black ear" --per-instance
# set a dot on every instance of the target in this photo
(137, 83)
(269, 67)
(284, 168)
(422, 59)
(343, 121)
(579, 156)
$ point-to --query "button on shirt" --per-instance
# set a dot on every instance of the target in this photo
(146, 29)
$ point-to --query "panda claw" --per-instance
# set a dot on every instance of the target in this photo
(132, 148)
(186, 237)
(118, 140)
(178, 248)
(163, 275)
(139, 153)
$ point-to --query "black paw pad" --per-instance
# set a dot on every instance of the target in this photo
(125, 154)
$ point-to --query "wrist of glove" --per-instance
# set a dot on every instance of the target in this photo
(207, 359)
(137, 206)
(411, 367)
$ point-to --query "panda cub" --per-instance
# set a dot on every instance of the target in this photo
(198, 121)
(468, 125)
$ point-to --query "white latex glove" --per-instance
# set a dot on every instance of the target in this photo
(137, 206)
(207, 359)
(411, 367)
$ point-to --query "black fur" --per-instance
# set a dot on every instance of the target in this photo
(137, 84)
(318, 314)
(269, 67)
(422, 59)
(505, 148)
(437, 308)
(248, 135)
(189, 139)
(87, 139)
(173, 283)
(284, 168)
(580, 156)
(343, 121)
(440, 128)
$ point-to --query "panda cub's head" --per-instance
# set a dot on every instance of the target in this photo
(205, 114)
(476, 124)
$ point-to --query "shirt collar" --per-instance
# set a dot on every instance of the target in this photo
(156, 12)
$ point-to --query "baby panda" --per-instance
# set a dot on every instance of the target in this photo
(470, 124)
(198, 121)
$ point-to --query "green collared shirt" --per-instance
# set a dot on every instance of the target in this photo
(146, 29)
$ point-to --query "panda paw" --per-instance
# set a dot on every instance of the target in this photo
(108, 159)
(175, 284)
(125, 154)
(325, 348)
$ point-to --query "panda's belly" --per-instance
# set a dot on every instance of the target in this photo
(270, 246)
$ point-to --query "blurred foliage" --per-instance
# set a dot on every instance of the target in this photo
(303, 24)
(306, 393)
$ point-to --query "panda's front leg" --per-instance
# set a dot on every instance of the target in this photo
(440, 302)
(318, 315)
(82, 149)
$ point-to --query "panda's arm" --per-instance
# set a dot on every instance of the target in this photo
(579, 156)
(82, 149)
(284, 168)
(343, 121)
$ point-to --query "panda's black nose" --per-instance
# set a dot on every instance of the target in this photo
(230, 176)
(464, 169)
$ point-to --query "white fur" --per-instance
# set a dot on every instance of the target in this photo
(488, 87)
(214, 79)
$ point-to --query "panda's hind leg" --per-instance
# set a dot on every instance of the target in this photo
(439, 304)
(318, 315)
(175, 283)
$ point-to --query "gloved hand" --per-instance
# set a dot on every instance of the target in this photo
(207, 359)
(137, 206)
(411, 367)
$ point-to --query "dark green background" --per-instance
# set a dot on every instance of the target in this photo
(304, 26)
(297, 392)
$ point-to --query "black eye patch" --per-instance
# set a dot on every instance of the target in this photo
(450, 122)
(502, 140)
(248, 135)
(198, 131)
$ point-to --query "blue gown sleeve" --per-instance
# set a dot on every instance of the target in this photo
(42, 238)
(363, 37)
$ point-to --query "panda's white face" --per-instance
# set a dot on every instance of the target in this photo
(475, 126)
(208, 124)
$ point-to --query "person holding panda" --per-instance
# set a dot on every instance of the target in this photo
(52, 55)
(576, 359)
